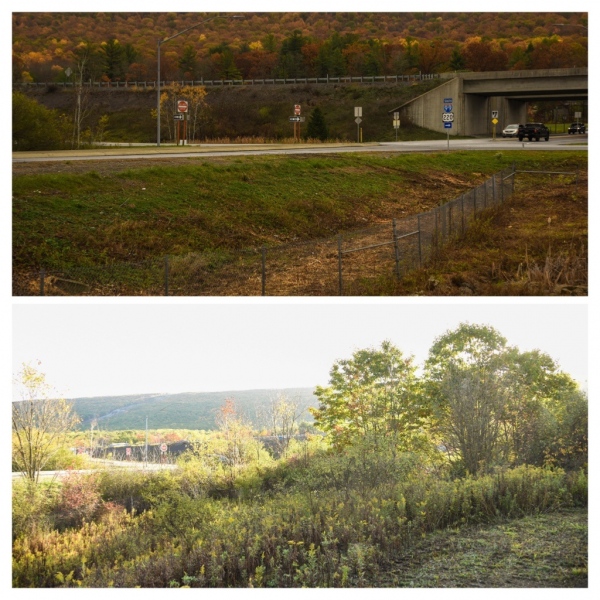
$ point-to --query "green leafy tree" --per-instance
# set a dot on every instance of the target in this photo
(40, 423)
(493, 404)
(462, 381)
(317, 128)
(374, 395)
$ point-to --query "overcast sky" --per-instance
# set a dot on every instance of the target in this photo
(112, 349)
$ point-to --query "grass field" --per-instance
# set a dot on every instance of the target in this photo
(545, 550)
(113, 215)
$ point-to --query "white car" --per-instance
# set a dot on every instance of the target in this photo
(510, 130)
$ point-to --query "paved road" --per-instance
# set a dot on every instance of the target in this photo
(102, 464)
(564, 142)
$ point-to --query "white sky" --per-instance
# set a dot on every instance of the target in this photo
(110, 349)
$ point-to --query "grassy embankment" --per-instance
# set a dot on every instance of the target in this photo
(219, 208)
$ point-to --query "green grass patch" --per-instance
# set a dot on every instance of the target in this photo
(545, 550)
(63, 220)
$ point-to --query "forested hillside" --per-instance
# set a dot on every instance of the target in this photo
(123, 46)
(191, 410)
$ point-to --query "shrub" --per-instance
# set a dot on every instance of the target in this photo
(78, 500)
(31, 507)
(36, 127)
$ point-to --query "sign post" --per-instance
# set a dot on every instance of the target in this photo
(396, 123)
(182, 111)
(358, 121)
(297, 119)
(448, 118)
(494, 123)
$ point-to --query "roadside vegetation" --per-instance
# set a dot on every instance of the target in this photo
(478, 464)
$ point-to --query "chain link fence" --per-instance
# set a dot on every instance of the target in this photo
(352, 263)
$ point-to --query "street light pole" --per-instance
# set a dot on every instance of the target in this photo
(160, 42)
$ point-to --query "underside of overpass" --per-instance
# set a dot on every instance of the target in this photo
(476, 96)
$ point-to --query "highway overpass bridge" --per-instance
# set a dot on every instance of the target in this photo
(475, 96)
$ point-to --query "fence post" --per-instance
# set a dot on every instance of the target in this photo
(42, 274)
(396, 249)
(484, 196)
(419, 234)
(263, 261)
(514, 175)
(340, 264)
(443, 222)
(167, 275)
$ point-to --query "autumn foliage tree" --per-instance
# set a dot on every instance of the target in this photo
(236, 436)
(40, 423)
(195, 97)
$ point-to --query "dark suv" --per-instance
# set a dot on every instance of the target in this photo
(533, 130)
(577, 128)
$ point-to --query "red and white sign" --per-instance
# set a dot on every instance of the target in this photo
(296, 109)
(127, 451)
(163, 447)
(182, 106)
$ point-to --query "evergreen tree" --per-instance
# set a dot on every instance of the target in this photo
(457, 60)
(113, 57)
(317, 128)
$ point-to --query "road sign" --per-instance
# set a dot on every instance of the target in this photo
(296, 109)
(163, 447)
(396, 116)
(494, 114)
(297, 119)
(447, 100)
(178, 117)
(182, 106)
(448, 108)
(448, 125)
(448, 117)
(127, 451)
(358, 120)
(358, 111)
(495, 121)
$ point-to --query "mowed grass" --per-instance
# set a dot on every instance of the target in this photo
(545, 550)
(109, 216)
